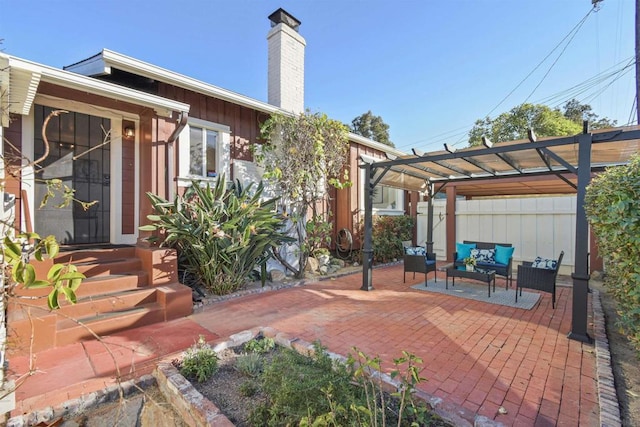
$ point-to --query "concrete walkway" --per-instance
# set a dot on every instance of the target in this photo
(476, 356)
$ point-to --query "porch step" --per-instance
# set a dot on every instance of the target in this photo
(109, 267)
(69, 331)
(116, 295)
(96, 285)
(95, 255)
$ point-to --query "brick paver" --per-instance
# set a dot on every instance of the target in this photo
(478, 356)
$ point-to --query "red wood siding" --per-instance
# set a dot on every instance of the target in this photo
(243, 122)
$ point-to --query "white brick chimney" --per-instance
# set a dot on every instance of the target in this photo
(286, 62)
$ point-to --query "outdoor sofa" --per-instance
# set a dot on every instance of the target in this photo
(502, 257)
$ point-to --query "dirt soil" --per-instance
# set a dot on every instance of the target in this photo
(626, 366)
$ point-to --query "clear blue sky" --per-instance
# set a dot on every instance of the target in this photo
(427, 67)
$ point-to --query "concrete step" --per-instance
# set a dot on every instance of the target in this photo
(95, 285)
(95, 255)
(69, 331)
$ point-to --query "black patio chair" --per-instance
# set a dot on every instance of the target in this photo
(540, 279)
(420, 264)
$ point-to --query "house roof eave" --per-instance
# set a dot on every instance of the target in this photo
(25, 77)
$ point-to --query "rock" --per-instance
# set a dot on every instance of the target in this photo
(340, 263)
(356, 264)
(312, 265)
(324, 259)
(277, 275)
(323, 269)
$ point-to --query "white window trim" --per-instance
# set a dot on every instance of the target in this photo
(223, 160)
(399, 210)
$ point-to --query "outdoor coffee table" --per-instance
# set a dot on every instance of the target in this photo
(481, 274)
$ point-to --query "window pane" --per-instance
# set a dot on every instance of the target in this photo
(195, 151)
(212, 142)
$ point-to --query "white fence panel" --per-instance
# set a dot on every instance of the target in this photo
(535, 226)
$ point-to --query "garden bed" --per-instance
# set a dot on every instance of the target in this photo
(228, 390)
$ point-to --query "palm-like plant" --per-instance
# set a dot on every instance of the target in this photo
(221, 234)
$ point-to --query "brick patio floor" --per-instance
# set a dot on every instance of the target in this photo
(476, 355)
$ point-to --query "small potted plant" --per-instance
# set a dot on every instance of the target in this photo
(470, 263)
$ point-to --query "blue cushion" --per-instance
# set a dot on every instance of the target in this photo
(485, 256)
(430, 262)
(548, 264)
(415, 250)
(464, 250)
(503, 254)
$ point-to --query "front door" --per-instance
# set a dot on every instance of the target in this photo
(79, 156)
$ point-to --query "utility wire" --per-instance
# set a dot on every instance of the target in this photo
(579, 24)
(575, 33)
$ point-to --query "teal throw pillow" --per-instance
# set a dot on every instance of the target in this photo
(464, 250)
(503, 254)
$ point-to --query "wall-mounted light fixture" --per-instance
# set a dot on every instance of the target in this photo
(129, 132)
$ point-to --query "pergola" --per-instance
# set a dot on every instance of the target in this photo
(578, 155)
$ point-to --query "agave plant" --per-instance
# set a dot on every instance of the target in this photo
(221, 233)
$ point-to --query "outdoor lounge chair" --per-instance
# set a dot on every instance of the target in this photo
(417, 260)
(539, 275)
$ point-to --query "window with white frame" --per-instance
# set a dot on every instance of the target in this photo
(386, 200)
(204, 150)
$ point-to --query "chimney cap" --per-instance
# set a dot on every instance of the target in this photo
(281, 16)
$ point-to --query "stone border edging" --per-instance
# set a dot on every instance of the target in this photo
(77, 406)
(607, 396)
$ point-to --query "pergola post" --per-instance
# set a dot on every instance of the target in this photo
(581, 275)
(430, 189)
(367, 249)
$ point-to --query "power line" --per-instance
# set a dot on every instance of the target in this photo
(575, 33)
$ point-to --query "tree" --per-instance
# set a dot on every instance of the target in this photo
(577, 112)
(303, 156)
(514, 124)
(544, 120)
(372, 127)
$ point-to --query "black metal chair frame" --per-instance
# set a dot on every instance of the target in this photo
(418, 264)
(540, 279)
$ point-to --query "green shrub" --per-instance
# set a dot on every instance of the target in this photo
(388, 234)
(199, 361)
(249, 364)
(612, 204)
(249, 388)
(221, 234)
(295, 385)
(260, 345)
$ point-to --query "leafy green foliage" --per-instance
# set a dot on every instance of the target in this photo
(316, 391)
(249, 388)
(199, 361)
(388, 234)
(260, 345)
(545, 121)
(612, 204)
(318, 235)
(304, 156)
(221, 234)
(249, 364)
(64, 280)
(294, 386)
(372, 127)
(577, 112)
(514, 124)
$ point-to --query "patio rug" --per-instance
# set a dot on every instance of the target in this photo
(478, 291)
